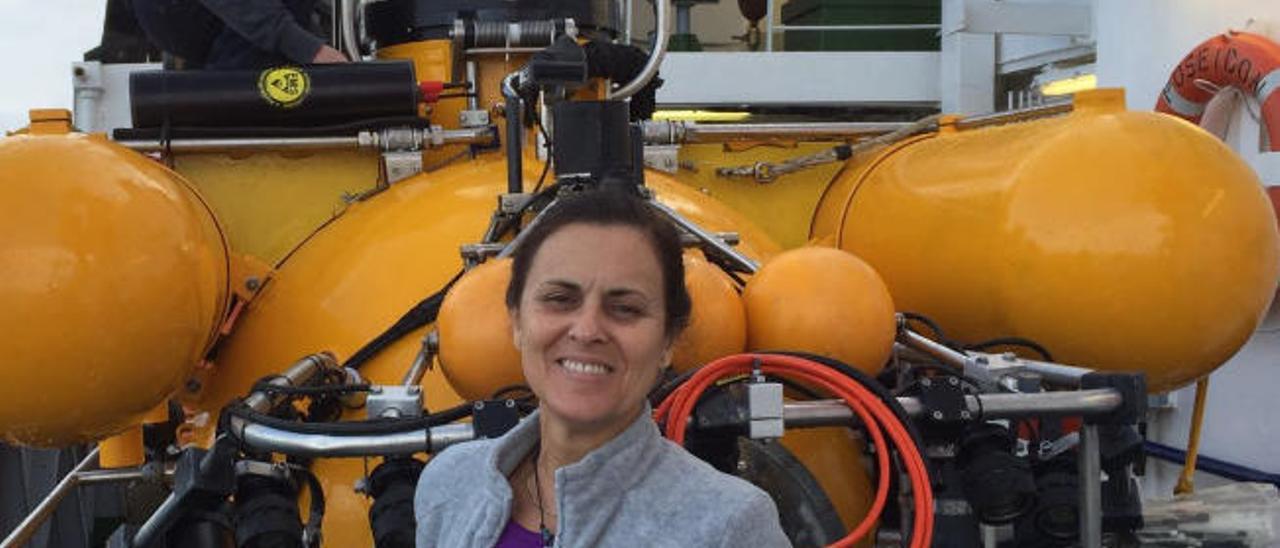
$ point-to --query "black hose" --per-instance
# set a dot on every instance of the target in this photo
(315, 516)
(421, 314)
(1013, 341)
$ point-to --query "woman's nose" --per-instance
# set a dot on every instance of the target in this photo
(586, 325)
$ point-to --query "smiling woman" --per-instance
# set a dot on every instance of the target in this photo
(597, 299)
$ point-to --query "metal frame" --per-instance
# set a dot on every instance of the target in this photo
(891, 78)
(83, 474)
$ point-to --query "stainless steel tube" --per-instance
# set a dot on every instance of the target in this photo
(661, 132)
(266, 438)
(656, 53)
(1057, 374)
(916, 341)
(365, 140)
(256, 143)
(350, 40)
(1018, 115)
(25, 530)
(422, 362)
(97, 477)
(1090, 468)
(298, 374)
(739, 260)
(992, 406)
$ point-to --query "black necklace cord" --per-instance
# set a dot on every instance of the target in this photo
(548, 538)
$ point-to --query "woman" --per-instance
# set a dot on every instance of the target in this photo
(596, 299)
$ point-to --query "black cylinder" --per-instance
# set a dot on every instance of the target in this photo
(266, 513)
(275, 97)
(998, 484)
(391, 517)
(593, 140)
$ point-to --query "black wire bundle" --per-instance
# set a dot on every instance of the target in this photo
(941, 337)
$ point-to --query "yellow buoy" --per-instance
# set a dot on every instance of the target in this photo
(113, 275)
(718, 322)
(477, 354)
(824, 301)
(1119, 240)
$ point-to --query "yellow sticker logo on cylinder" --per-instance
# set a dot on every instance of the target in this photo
(284, 87)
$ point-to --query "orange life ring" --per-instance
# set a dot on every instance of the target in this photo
(1249, 62)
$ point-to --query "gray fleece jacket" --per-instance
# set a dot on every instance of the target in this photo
(639, 489)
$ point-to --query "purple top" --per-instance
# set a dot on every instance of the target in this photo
(515, 536)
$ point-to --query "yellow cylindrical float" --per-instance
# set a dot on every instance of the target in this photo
(113, 275)
(717, 324)
(477, 352)
(823, 301)
(1118, 240)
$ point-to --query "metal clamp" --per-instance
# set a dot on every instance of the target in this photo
(765, 410)
(394, 402)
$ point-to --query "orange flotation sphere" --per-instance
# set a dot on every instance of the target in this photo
(824, 301)
(718, 323)
(477, 354)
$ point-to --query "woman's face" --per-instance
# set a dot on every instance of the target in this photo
(590, 325)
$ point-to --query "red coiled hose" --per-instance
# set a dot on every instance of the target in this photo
(878, 419)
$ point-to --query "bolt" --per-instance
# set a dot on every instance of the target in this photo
(511, 403)
(78, 71)
(965, 415)
(937, 415)
(252, 283)
(926, 382)
(742, 465)
(953, 381)
(478, 405)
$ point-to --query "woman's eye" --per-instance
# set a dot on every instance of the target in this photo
(557, 299)
(627, 311)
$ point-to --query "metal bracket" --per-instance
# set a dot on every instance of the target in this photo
(399, 166)
(510, 204)
(474, 254)
(764, 410)
(274, 470)
(473, 118)
(394, 402)
(664, 158)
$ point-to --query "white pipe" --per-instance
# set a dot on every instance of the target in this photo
(350, 45)
(655, 56)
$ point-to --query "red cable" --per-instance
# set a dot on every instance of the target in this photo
(678, 407)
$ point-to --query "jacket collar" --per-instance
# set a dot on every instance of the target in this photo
(613, 465)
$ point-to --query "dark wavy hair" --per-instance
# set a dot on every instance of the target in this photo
(610, 208)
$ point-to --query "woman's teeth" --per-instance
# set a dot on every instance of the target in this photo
(582, 367)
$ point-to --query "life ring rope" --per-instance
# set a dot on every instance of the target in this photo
(1246, 61)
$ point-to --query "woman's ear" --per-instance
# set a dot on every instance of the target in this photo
(514, 316)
